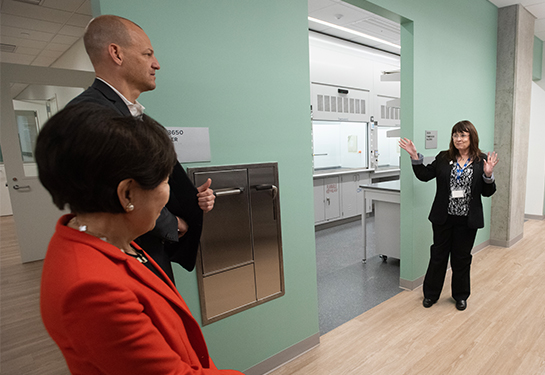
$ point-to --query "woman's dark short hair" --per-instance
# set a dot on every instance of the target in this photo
(84, 151)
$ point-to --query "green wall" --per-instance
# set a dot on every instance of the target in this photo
(448, 65)
(240, 67)
(538, 59)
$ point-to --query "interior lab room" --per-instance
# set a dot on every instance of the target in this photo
(356, 121)
(314, 256)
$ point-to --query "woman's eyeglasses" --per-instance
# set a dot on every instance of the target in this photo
(459, 136)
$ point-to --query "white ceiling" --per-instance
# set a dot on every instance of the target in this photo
(536, 7)
(41, 33)
(351, 17)
(354, 18)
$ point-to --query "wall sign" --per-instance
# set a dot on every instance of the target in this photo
(431, 139)
(191, 144)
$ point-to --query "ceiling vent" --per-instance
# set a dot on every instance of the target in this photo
(4, 47)
(33, 2)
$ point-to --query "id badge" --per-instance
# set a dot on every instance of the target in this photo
(457, 193)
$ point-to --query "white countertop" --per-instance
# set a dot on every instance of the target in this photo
(340, 171)
(394, 186)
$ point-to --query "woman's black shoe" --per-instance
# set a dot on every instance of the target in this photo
(461, 304)
(428, 302)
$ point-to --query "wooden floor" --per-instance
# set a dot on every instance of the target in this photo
(501, 332)
(26, 348)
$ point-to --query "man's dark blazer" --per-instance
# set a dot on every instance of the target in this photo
(162, 243)
(440, 169)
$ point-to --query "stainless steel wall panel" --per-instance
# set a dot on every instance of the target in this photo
(226, 239)
(266, 230)
(240, 260)
(226, 291)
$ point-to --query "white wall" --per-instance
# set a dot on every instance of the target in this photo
(74, 58)
(541, 82)
(535, 184)
(5, 203)
(340, 63)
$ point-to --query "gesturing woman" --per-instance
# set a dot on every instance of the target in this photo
(463, 174)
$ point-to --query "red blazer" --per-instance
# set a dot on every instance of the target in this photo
(109, 314)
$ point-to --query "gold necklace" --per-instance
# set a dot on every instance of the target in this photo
(83, 228)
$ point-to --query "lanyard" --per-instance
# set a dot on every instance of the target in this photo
(459, 169)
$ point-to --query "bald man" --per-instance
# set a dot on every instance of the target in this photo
(125, 66)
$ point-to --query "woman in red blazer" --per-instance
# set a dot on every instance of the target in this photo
(463, 174)
(108, 306)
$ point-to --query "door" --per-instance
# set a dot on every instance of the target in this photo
(30, 95)
(350, 187)
(319, 200)
(332, 198)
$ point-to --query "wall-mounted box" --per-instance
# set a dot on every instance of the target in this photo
(240, 260)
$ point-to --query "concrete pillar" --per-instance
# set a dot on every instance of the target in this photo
(512, 120)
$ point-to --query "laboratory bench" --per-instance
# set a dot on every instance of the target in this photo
(386, 198)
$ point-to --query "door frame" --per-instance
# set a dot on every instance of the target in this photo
(33, 211)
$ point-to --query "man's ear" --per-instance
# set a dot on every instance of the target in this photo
(125, 192)
(115, 53)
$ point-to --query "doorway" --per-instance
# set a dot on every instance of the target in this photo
(346, 287)
(30, 95)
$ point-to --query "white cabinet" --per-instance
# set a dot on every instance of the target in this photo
(352, 195)
(319, 199)
(340, 197)
(326, 199)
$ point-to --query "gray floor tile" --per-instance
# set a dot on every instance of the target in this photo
(346, 286)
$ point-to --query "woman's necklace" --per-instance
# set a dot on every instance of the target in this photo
(460, 169)
(465, 159)
(83, 228)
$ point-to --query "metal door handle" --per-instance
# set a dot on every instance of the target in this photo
(230, 191)
(268, 187)
(17, 187)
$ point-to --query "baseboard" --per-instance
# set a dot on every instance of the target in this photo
(502, 243)
(478, 248)
(411, 285)
(534, 217)
(284, 356)
(334, 223)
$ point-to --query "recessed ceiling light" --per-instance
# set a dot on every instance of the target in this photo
(357, 33)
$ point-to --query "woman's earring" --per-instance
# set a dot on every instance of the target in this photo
(129, 207)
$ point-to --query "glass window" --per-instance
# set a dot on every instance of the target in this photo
(388, 146)
(27, 126)
(339, 144)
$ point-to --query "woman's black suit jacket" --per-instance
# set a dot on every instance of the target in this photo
(440, 169)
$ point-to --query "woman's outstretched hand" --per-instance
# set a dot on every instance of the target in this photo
(409, 146)
(490, 163)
